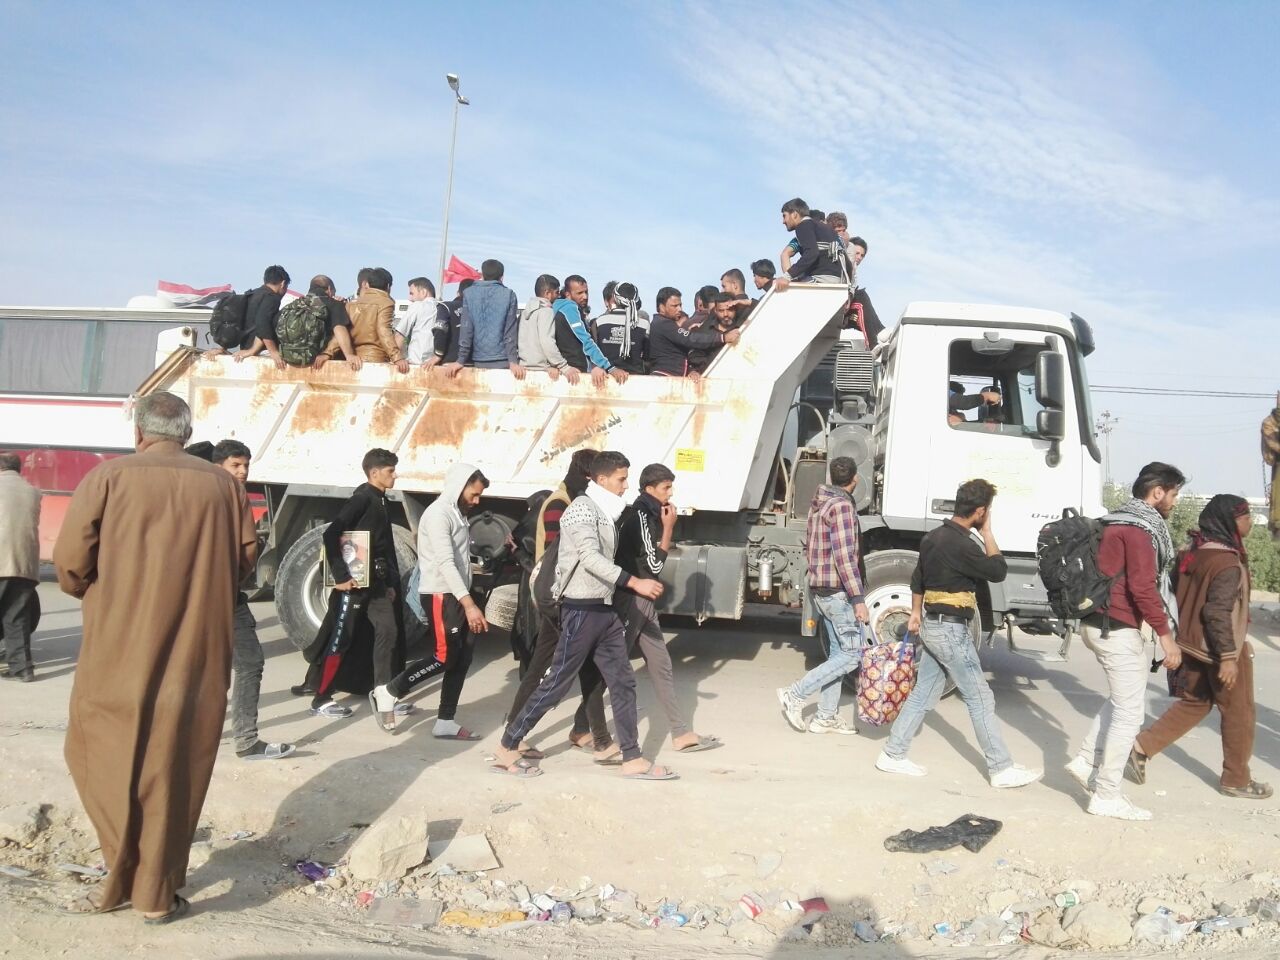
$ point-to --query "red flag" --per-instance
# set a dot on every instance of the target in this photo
(457, 271)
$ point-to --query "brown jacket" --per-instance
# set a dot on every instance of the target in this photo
(371, 316)
(19, 527)
(1271, 455)
(1213, 604)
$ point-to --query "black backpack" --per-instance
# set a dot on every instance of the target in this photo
(226, 325)
(1067, 552)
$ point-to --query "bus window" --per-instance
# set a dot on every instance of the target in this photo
(44, 356)
(127, 356)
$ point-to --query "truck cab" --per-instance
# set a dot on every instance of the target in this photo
(1026, 425)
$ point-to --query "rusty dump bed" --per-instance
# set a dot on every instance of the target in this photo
(720, 435)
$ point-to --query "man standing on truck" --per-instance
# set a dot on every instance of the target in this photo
(672, 337)
(623, 329)
(944, 602)
(352, 607)
(573, 338)
(246, 650)
(834, 559)
(453, 618)
(489, 335)
(538, 350)
(1137, 551)
(585, 580)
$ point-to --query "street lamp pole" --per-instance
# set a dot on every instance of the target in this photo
(458, 101)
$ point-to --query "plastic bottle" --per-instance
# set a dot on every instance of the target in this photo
(1160, 929)
(561, 913)
(1215, 924)
(864, 931)
(1269, 910)
(668, 909)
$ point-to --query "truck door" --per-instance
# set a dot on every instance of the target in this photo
(988, 423)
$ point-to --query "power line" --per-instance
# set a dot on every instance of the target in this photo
(1177, 392)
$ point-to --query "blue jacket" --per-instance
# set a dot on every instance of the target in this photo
(490, 329)
(573, 338)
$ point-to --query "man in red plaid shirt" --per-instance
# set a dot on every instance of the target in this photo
(835, 582)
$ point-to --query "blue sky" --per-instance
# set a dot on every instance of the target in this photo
(1114, 160)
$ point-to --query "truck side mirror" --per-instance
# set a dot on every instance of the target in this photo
(1051, 379)
(1051, 425)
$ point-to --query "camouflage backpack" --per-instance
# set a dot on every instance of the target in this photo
(301, 330)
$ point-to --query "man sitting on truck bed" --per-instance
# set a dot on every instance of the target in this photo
(820, 250)
(260, 315)
(337, 321)
(372, 314)
(575, 341)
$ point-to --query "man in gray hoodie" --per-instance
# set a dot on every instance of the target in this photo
(452, 615)
(586, 578)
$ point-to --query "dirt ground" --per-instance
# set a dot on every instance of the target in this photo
(813, 805)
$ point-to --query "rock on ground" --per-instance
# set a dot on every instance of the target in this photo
(21, 822)
(389, 849)
(1098, 926)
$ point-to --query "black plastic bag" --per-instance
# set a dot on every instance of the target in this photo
(970, 831)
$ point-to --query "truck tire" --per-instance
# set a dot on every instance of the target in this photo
(301, 598)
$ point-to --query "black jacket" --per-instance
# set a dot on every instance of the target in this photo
(671, 344)
(366, 509)
(819, 248)
(610, 333)
(639, 537)
(952, 562)
(261, 313)
(445, 333)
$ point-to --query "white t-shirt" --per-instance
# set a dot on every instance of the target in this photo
(415, 325)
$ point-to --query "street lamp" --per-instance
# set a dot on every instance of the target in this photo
(458, 101)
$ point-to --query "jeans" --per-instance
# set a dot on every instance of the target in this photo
(844, 654)
(947, 650)
(246, 662)
(645, 631)
(1123, 656)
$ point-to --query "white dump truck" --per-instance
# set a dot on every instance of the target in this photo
(749, 444)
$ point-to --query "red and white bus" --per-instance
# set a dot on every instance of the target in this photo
(65, 376)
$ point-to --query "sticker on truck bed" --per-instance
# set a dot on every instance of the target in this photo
(691, 461)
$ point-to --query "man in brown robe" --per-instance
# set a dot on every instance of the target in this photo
(155, 544)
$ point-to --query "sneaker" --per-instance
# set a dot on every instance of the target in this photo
(822, 724)
(1015, 776)
(1083, 772)
(887, 764)
(792, 706)
(1135, 768)
(334, 711)
(1118, 807)
(266, 751)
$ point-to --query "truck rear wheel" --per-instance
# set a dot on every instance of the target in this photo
(301, 597)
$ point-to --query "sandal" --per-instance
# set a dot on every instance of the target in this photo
(181, 907)
(462, 734)
(654, 772)
(521, 770)
(385, 720)
(704, 743)
(532, 753)
(581, 745)
(1253, 790)
(86, 906)
(1136, 767)
(612, 760)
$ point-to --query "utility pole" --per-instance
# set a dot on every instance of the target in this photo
(458, 101)
(1106, 423)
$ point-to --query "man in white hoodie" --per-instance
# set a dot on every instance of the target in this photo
(453, 616)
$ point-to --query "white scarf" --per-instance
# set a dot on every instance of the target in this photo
(610, 504)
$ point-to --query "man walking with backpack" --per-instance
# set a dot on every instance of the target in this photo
(1136, 553)
(835, 582)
